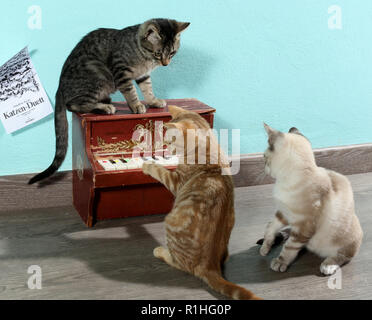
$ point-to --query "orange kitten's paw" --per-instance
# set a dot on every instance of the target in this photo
(159, 252)
(146, 168)
(278, 265)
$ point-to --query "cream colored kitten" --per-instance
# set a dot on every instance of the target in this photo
(316, 203)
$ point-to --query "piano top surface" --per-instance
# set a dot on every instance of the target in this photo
(123, 111)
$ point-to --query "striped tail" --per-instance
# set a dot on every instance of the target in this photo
(227, 288)
(61, 129)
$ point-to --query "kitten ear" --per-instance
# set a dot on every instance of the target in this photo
(269, 130)
(151, 33)
(296, 131)
(181, 26)
(175, 111)
(293, 130)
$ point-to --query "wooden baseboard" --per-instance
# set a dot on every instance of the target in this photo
(347, 160)
(16, 194)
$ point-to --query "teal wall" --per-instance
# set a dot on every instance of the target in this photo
(254, 61)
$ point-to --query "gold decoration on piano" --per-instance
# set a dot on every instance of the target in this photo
(124, 145)
(128, 145)
(148, 126)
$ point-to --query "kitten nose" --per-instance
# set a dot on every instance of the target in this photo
(165, 61)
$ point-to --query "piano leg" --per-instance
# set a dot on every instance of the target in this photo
(84, 195)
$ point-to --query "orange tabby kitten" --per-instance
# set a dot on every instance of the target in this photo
(198, 227)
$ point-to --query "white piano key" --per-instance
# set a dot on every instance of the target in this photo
(171, 160)
(115, 164)
(134, 163)
(139, 161)
(148, 159)
(159, 160)
(120, 165)
(107, 165)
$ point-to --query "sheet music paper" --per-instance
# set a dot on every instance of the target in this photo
(23, 99)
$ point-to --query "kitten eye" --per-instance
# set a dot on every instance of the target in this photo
(172, 53)
(157, 54)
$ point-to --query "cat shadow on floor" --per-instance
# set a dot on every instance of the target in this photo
(249, 266)
(122, 251)
(119, 250)
(130, 258)
(134, 262)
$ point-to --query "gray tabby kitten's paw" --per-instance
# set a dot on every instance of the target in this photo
(146, 168)
(157, 103)
(138, 108)
(106, 108)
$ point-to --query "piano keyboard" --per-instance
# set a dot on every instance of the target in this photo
(136, 163)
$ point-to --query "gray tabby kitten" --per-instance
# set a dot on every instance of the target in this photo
(107, 60)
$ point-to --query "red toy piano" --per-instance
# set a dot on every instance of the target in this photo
(107, 177)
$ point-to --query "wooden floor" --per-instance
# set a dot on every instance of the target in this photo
(114, 259)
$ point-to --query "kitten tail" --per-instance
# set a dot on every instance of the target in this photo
(61, 128)
(227, 288)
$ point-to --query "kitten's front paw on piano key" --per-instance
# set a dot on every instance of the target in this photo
(147, 167)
